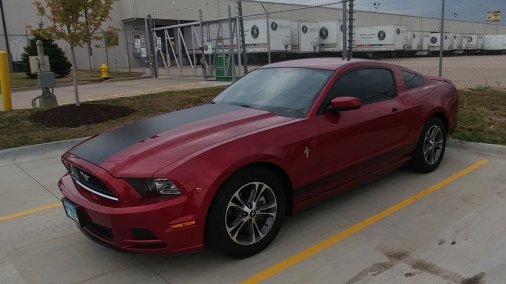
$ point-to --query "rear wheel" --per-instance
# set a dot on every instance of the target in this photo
(431, 146)
(247, 213)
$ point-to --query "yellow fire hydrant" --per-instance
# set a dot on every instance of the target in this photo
(104, 69)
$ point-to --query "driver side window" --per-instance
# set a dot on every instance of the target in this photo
(370, 85)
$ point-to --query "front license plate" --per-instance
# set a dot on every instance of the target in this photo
(71, 210)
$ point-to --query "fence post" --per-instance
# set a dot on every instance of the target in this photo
(203, 61)
(268, 31)
(127, 49)
(441, 38)
(231, 36)
(349, 54)
(243, 40)
(344, 31)
(150, 46)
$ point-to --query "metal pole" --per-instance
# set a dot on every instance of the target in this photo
(9, 55)
(106, 52)
(148, 47)
(231, 36)
(268, 32)
(155, 49)
(238, 46)
(243, 40)
(203, 58)
(441, 43)
(179, 48)
(349, 54)
(344, 31)
(127, 50)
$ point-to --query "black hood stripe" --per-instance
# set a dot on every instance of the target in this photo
(103, 146)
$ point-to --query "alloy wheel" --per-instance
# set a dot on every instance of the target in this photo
(433, 145)
(250, 213)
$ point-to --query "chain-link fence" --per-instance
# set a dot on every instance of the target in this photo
(261, 32)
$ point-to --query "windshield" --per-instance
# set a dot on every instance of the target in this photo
(283, 91)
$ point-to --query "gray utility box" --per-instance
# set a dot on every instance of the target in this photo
(46, 79)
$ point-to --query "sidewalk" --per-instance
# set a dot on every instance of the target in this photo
(114, 89)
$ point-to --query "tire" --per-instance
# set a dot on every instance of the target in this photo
(431, 146)
(238, 224)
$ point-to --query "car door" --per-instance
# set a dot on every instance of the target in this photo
(357, 142)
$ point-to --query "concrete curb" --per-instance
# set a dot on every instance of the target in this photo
(491, 149)
(126, 79)
(80, 83)
(60, 85)
(42, 151)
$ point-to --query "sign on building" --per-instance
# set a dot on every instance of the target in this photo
(493, 16)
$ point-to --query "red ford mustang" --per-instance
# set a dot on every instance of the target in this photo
(283, 137)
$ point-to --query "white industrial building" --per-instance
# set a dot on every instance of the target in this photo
(128, 16)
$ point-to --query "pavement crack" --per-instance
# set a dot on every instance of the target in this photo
(152, 270)
(34, 179)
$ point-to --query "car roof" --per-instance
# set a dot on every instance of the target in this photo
(328, 63)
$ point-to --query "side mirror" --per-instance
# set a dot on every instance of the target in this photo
(345, 103)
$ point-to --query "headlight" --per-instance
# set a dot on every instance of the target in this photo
(154, 186)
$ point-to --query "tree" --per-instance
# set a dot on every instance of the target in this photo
(74, 21)
(57, 59)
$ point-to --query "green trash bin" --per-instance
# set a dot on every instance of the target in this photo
(222, 64)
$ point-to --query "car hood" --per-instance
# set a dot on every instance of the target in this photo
(143, 147)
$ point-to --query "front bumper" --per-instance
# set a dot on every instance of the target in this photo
(153, 228)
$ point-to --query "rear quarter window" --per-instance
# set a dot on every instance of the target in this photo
(412, 80)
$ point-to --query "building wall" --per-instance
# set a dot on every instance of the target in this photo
(21, 17)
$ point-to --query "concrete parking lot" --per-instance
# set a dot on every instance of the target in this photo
(443, 227)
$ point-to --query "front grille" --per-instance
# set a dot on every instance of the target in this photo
(91, 183)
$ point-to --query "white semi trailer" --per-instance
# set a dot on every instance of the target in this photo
(472, 41)
(380, 38)
(414, 40)
(255, 35)
(309, 37)
(432, 41)
(494, 43)
(330, 36)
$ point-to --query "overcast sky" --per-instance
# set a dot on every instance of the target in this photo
(470, 10)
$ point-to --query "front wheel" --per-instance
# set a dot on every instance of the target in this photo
(247, 213)
(430, 147)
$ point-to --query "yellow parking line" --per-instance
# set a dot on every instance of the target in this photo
(310, 251)
(30, 211)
